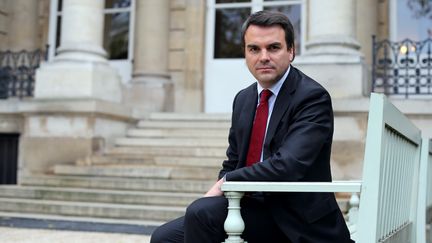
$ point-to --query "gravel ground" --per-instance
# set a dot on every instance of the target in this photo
(20, 235)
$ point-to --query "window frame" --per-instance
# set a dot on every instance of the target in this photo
(254, 5)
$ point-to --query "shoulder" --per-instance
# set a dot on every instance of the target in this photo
(305, 86)
(246, 93)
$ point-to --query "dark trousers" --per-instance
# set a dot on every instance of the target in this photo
(205, 217)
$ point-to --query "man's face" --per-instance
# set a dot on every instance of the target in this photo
(266, 52)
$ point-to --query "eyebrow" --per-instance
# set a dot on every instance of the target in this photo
(251, 45)
(271, 44)
(275, 44)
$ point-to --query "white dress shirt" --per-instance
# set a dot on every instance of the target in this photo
(275, 88)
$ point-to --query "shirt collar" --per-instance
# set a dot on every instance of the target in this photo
(275, 88)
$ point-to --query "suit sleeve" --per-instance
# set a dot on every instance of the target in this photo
(300, 142)
(232, 152)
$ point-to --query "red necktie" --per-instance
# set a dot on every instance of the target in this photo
(258, 129)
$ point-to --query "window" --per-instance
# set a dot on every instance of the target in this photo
(230, 14)
(412, 20)
(116, 28)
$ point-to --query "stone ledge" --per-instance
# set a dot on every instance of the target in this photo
(64, 106)
(328, 59)
(361, 105)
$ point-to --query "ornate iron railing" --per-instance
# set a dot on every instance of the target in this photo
(402, 68)
(17, 72)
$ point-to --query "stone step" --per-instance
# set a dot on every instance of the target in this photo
(87, 209)
(146, 152)
(214, 162)
(159, 160)
(137, 171)
(117, 183)
(170, 116)
(173, 142)
(72, 220)
(178, 133)
(184, 124)
(98, 195)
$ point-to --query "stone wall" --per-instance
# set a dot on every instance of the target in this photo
(186, 54)
(4, 15)
(24, 24)
(43, 23)
(62, 131)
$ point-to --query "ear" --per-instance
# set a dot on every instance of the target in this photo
(292, 53)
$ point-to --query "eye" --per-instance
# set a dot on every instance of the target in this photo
(274, 48)
(253, 49)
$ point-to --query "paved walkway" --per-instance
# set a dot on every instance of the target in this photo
(20, 235)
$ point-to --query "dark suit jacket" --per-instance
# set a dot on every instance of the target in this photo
(296, 148)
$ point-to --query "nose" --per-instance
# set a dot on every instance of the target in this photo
(264, 57)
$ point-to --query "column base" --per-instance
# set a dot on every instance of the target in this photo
(188, 100)
(149, 94)
(333, 45)
(63, 131)
(78, 80)
(344, 76)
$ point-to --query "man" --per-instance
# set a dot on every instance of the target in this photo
(282, 130)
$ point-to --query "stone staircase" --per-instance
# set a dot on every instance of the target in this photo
(147, 178)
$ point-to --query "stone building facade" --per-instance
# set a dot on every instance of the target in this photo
(111, 63)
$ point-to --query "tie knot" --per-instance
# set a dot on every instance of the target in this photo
(265, 95)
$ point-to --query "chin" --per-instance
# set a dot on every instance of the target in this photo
(267, 79)
(266, 83)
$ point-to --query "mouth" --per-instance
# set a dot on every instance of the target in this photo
(264, 69)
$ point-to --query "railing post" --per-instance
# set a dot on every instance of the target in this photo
(374, 57)
(234, 224)
(353, 211)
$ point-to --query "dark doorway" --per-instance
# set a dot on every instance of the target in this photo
(8, 158)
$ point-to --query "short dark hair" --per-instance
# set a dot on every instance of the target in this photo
(269, 18)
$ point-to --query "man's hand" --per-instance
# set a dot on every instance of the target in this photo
(215, 190)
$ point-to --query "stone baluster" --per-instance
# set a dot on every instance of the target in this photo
(234, 224)
(353, 211)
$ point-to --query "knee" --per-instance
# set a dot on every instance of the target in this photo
(169, 232)
(158, 236)
(205, 209)
(194, 210)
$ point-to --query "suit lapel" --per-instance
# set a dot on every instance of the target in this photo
(282, 103)
(246, 121)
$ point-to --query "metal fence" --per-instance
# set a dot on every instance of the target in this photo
(17, 72)
(402, 68)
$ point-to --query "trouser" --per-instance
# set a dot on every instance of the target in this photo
(205, 217)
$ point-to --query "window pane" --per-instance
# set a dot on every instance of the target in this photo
(414, 20)
(58, 32)
(116, 35)
(117, 3)
(294, 14)
(228, 32)
(232, 1)
(60, 5)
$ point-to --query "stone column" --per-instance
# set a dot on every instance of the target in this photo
(332, 27)
(151, 86)
(332, 47)
(82, 31)
(80, 70)
(23, 25)
(333, 58)
(77, 110)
